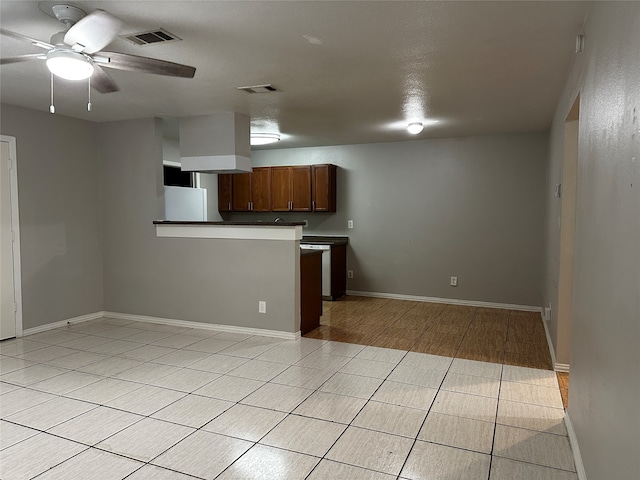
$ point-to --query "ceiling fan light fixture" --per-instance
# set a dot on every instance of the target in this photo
(415, 128)
(69, 65)
(264, 138)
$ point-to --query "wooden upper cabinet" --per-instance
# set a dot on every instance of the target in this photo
(241, 192)
(225, 199)
(260, 188)
(280, 189)
(323, 188)
(301, 189)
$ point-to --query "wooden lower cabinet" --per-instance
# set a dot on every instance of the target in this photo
(310, 290)
(338, 271)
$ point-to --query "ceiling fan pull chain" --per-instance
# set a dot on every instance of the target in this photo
(89, 104)
(52, 109)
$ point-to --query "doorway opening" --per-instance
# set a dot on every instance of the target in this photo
(567, 239)
(10, 277)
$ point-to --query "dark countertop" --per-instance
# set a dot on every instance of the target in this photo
(257, 224)
(318, 240)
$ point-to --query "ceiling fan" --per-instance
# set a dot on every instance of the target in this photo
(75, 53)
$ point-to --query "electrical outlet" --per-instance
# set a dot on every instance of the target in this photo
(454, 281)
(306, 222)
(349, 273)
(349, 223)
(262, 307)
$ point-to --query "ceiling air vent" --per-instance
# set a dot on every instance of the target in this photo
(266, 88)
(151, 37)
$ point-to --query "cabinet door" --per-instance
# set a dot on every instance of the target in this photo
(225, 198)
(323, 188)
(241, 192)
(301, 189)
(260, 185)
(280, 189)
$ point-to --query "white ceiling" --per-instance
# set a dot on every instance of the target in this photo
(348, 71)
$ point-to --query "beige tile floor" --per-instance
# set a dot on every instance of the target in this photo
(112, 399)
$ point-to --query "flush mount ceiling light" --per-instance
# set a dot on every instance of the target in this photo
(264, 138)
(415, 128)
(69, 65)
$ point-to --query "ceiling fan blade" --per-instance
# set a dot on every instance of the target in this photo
(93, 32)
(24, 38)
(21, 58)
(124, 61)
(102, 82)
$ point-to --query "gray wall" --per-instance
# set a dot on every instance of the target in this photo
(61, 259)
(605, 385)
(424, 211)
(202, 280)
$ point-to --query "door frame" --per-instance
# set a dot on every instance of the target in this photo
(15, 227)
(568, 208)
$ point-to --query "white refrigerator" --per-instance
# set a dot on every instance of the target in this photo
(185, 204)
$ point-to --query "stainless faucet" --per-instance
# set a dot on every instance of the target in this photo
(278, 219)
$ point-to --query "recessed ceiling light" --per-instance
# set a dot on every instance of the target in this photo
(415, 128)
(264, 138)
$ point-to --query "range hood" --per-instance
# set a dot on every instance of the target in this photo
(218, 143)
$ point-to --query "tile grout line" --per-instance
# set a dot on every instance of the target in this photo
(356, 415)
(415, 440)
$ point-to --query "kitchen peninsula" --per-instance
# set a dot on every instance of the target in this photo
(256, 262)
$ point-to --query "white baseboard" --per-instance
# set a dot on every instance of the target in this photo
(573, 440)
(452, 301)
(205, 326)
(164, 321)
(63, 323)
(549, 342)
(558, 367)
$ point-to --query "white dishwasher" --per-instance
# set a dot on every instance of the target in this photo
(326, 266)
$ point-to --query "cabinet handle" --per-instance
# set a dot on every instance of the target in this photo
(229, 206)
(313, 205)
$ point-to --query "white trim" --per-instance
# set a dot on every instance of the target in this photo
(452, 301)
(165, 321)
(236, 232)
(171, 163)
(575, 448)
(549, 342)
(205, 326)
(63, 323)
(558, 367)
(15, 228)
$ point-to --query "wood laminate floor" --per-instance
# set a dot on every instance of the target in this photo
(510, 337)
(563, 383)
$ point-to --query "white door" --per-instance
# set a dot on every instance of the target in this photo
(7, 290)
